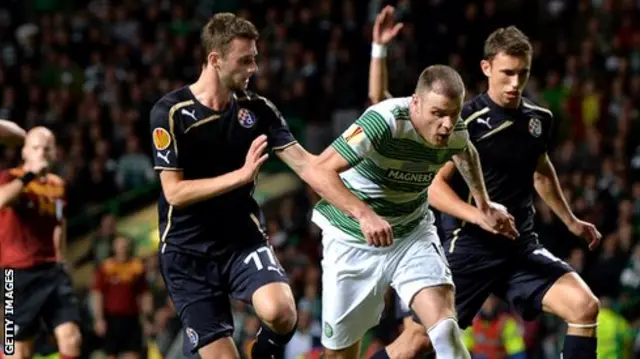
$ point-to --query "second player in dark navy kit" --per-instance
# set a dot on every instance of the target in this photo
(204, 245)
(209, 140)
(510, 143)
(203, 143)
(512, 135)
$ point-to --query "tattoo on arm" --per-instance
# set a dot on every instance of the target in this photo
(468, 164)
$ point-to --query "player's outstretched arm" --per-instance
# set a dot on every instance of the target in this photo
(443, 198)
(297, 158)
(548, 187)
(468, 164)
(489, 216)
(11, 133)
(180, 192)
(385, 29)
(323, 176)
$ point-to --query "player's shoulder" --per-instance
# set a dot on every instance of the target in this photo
(172, 101)
(460, 137)
(389, 111)
(474, 108)
(246, 96)
(253, 101)
(397, 107)
(529, 107)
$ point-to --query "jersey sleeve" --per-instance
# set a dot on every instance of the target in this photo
(164, 135)
(361, 138)
(279, 135)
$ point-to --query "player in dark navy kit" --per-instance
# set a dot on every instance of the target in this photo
(512, 135)
(209, 140)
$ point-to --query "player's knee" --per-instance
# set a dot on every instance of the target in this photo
(68, 338)
(280, 316)
(585, 309)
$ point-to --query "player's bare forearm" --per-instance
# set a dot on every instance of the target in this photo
(468, 164)
(323, 176)
(443, 198)
(297, 158)
(548, 187)
(10, 191)
(378, 80)
(11, 133)
(181, 193)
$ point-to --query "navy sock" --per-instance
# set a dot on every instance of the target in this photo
(269, 344)
(380, 354)
(577, 347)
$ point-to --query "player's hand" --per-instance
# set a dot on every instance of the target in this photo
(100, 327)
(497, 220)
(376, 230)
(385, 27)
(586, 231)
(255, 158)
(39, 167)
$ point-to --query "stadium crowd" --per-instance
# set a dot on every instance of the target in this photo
(91, 74)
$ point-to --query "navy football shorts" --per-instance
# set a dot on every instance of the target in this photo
(200, 288)
(521, 278)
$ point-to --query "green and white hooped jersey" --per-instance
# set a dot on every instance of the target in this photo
(392, 167)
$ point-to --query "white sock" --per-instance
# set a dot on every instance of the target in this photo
(446, 340)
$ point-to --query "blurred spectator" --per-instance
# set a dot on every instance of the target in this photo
(134, 168)
(121, 295)
(615, 336)
(101, 242)
(304, 339)
(494, 333)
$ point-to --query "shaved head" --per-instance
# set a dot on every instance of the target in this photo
(441, 79)
(39, 144)
(39, 132)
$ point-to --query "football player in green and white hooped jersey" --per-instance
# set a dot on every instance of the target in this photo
(392, 167)
(377, 228)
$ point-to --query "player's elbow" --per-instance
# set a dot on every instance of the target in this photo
(542, 182)
(173, 194)
(175, 199)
